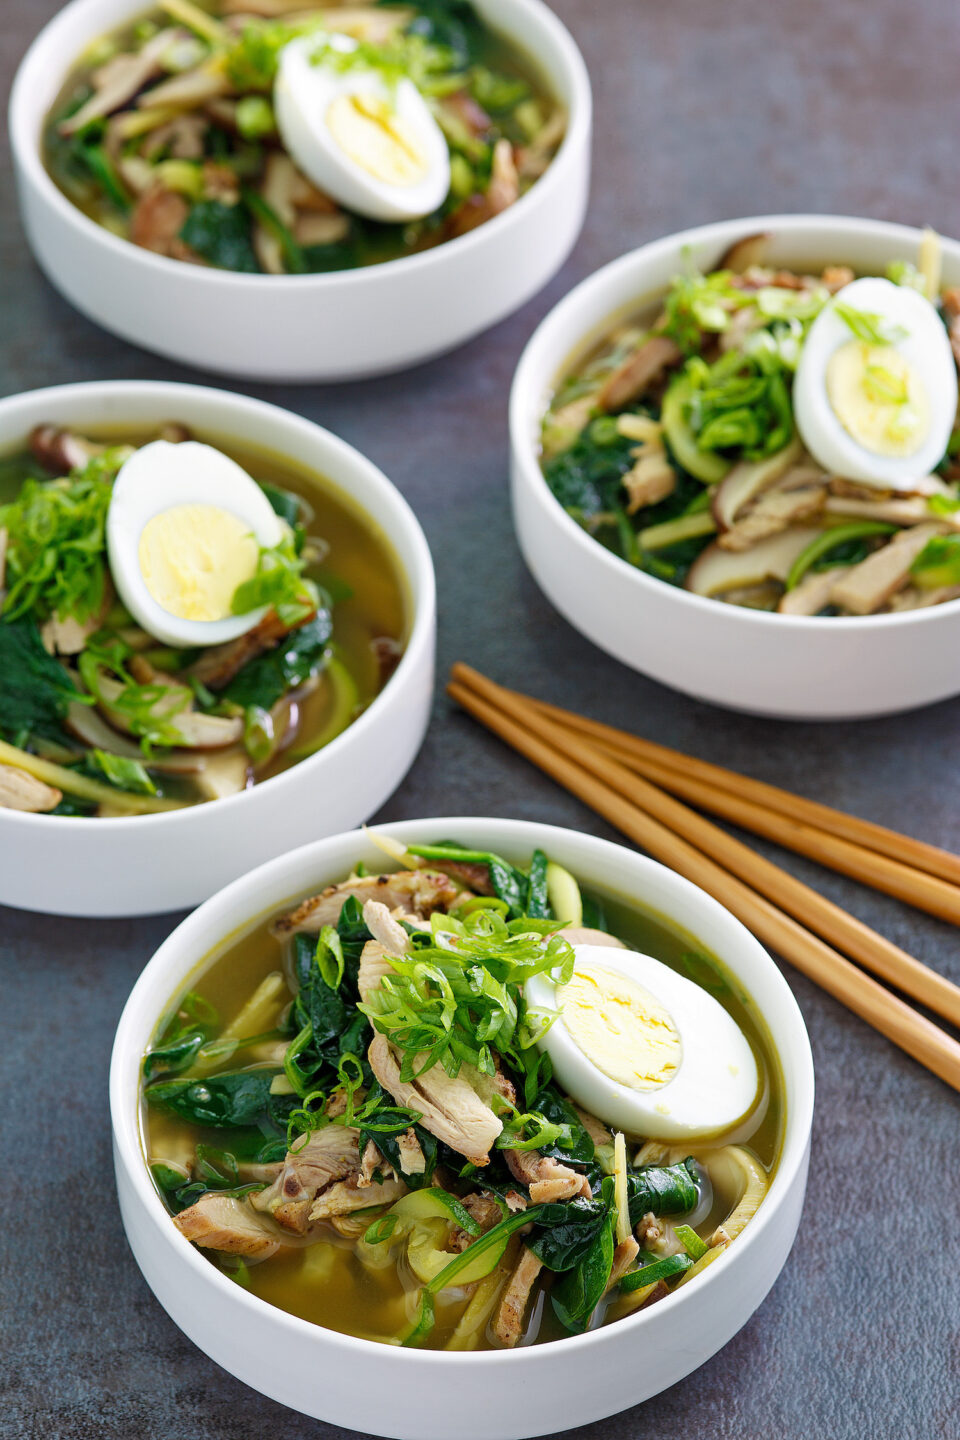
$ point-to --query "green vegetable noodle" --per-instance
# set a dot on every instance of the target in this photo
(356, 1104)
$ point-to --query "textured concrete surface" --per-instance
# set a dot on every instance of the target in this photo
(704, 111)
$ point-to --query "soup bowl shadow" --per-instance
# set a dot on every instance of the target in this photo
(338, 326)
(141, 865)
(789, 667)
(496, 1395)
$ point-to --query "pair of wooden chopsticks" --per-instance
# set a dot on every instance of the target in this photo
(626, 779)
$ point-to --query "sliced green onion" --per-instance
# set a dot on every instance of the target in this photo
(829, 540)
(380, 1230)
(424, 1322)
(476, 1262)
(663, 1269)
(671, 532)
(690, 1240)
(703, 465)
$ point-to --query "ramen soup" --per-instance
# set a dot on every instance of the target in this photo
(773, 438)
(261, 136)
(179, 620)
(462, 1105)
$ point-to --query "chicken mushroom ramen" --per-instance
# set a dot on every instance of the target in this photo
(448, 1107)
(263, 136)
(173, 630)
(777, 440)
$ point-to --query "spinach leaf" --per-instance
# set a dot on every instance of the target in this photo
(239, 1099)
(586, 478)
(221, 234)
(452, 23)
(283, 502)
(663, 1189)
(507, 882)
(579, 1292)
(176, 1055)
(388, 1147)
(538, 906)
(554, 1107)
(298, 656)
(36, 689)
(566, 1230)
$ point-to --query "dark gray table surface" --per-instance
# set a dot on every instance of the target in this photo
(703, 111)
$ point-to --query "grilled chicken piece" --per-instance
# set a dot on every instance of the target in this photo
(486, 1211)
(329, 1155)
(412, 1159)
(508, 1326)
(866, 587)
(418, 891)
(450, 1107)
(347, 1195)
(219, 1222)
(20, 790)
(638, 372)
(545, 1178)
(385, 928)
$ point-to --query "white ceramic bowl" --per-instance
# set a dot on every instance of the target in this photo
(779, 665)
(495, 1395)
(141, 865)
(303, 327)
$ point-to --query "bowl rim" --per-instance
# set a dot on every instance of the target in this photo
(522, 833)
(26, 149)
(527, 400)
(419, 579)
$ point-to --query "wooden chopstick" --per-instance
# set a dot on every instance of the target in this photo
(886, 1012)
(902, 848)
(828, 920)
(916, 887)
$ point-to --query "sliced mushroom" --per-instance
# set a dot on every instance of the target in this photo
(196, 730)
(913, 598)
(800, 495)
(639, 371)
(207, 732)
(225, 774)
(59, 450)
(867, 587)
(21, 791)
(742, 254)
(746, 480)
(158, 217)
(912, 510)
(87, 724)
(716, 570)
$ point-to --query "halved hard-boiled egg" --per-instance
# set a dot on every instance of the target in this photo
(875, 393)
(368, 141)
(184, 530)
(643, 1048)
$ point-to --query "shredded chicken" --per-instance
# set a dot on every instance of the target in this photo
(658, 1235)
(638, 373)
(412, 1159)
(420, 891)
(449, 1106)
(794, 498)
(546, 1179)
(623, 1257)
(867, 587)
(508, 1326)
(651, 479)
(220, 1222)
(346, 1196)
(385, 928)
(21, 791)
(328, 1155)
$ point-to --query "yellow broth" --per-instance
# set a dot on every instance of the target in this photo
(325, 1282)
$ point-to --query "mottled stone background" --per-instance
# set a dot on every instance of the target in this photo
(704, 110)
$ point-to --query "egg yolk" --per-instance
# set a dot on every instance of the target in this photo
(193, 557)
(878, 397)
(620, 1027)
(373, 136)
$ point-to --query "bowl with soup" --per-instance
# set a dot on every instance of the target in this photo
(457, 1110)
(216, 636)
(736, 464)
(189, 169)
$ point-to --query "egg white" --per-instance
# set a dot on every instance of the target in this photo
(156, 478)
(715, 1085)
(303, 93)
(925, 347)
